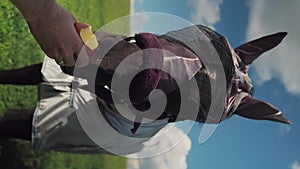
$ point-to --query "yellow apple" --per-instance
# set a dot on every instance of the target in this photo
(86, 34)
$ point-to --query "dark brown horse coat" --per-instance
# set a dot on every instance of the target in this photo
(187, 64)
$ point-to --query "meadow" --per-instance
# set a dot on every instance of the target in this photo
(18, 48)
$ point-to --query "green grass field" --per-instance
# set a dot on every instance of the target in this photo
(17, 49)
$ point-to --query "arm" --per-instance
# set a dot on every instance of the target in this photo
(53, 28)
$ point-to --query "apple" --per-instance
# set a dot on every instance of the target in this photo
(86, 34)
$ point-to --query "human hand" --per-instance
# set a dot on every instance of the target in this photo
(53, 28)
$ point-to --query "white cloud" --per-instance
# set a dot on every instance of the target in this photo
(282, 63)
(138, 21)
(132, 6)
(139, 18)
(139, 3)
(295, 165)
(284, 129)
(175, 158)
(206, 12)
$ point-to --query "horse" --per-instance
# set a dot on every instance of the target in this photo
(188, 65)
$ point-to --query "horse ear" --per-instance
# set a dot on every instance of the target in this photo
(249, 51)
(259, 110)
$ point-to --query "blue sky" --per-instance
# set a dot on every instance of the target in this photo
(239, 142)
